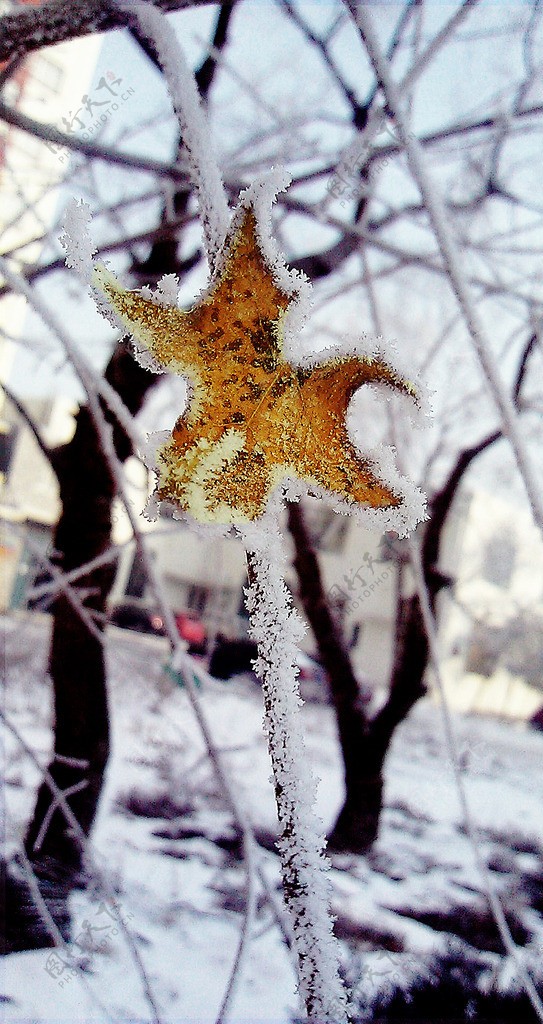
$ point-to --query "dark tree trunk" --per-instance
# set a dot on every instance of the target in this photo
(356, 825)
(81, 727)
(76, 661)
(364, 743)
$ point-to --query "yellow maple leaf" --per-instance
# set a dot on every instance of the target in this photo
(253, 418)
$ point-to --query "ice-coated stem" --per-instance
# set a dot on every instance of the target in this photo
(452, 261)
(277, 629)
(195, 133)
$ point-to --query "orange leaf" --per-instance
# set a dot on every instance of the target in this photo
(253, 418)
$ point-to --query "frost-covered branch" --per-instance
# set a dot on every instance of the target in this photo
(277, 630)
(93, 150)
(436, 44)
(486, 877)
(251, 869)
(63, 586)
(49, 591)
(453, 264)
(90, 861)
(202, 167)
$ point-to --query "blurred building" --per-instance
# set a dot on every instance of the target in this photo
(29, 499)
(50, 86)
(203, 577)
(206, 577)
(47, 86)
(492, 622)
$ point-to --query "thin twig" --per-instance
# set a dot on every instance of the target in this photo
(25, 415)
(93, 150)
(248, 918)
(56, 935)
(50, 590)
(277, 629)
(452, 261)
(71, 594)
(437, 43)
(486, 878)
(90, 863)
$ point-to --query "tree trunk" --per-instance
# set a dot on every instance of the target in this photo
(76, 660)
(357, 825)
(76, 663)
(355, 828)
(364, 743)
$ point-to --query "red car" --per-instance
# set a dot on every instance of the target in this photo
(193, 631)
(139, 617)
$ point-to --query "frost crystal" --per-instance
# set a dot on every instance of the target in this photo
(255, 418)
(207, 467)
(76, 239)
(277, 629)
(203, 169)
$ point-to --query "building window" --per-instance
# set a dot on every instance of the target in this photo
(499, 560)
(47, 73)
(197, 598)
(222, 599)
(8, 437)
(137, 581)
(327, 529)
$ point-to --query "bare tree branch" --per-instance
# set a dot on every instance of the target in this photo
(452, 262)
(31, 28)
(25, 415)
(90, 861)
(441, 502)
(91, 149)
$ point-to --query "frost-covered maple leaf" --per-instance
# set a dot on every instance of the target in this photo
(253, 418)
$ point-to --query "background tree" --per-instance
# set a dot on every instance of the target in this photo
(357, 222)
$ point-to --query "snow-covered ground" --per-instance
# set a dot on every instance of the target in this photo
(165, 843)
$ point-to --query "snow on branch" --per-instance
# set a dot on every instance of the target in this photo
(452, 261)
(487, 880)
(277, 629)
(91, 864)
(76, 239)
(195, 135)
